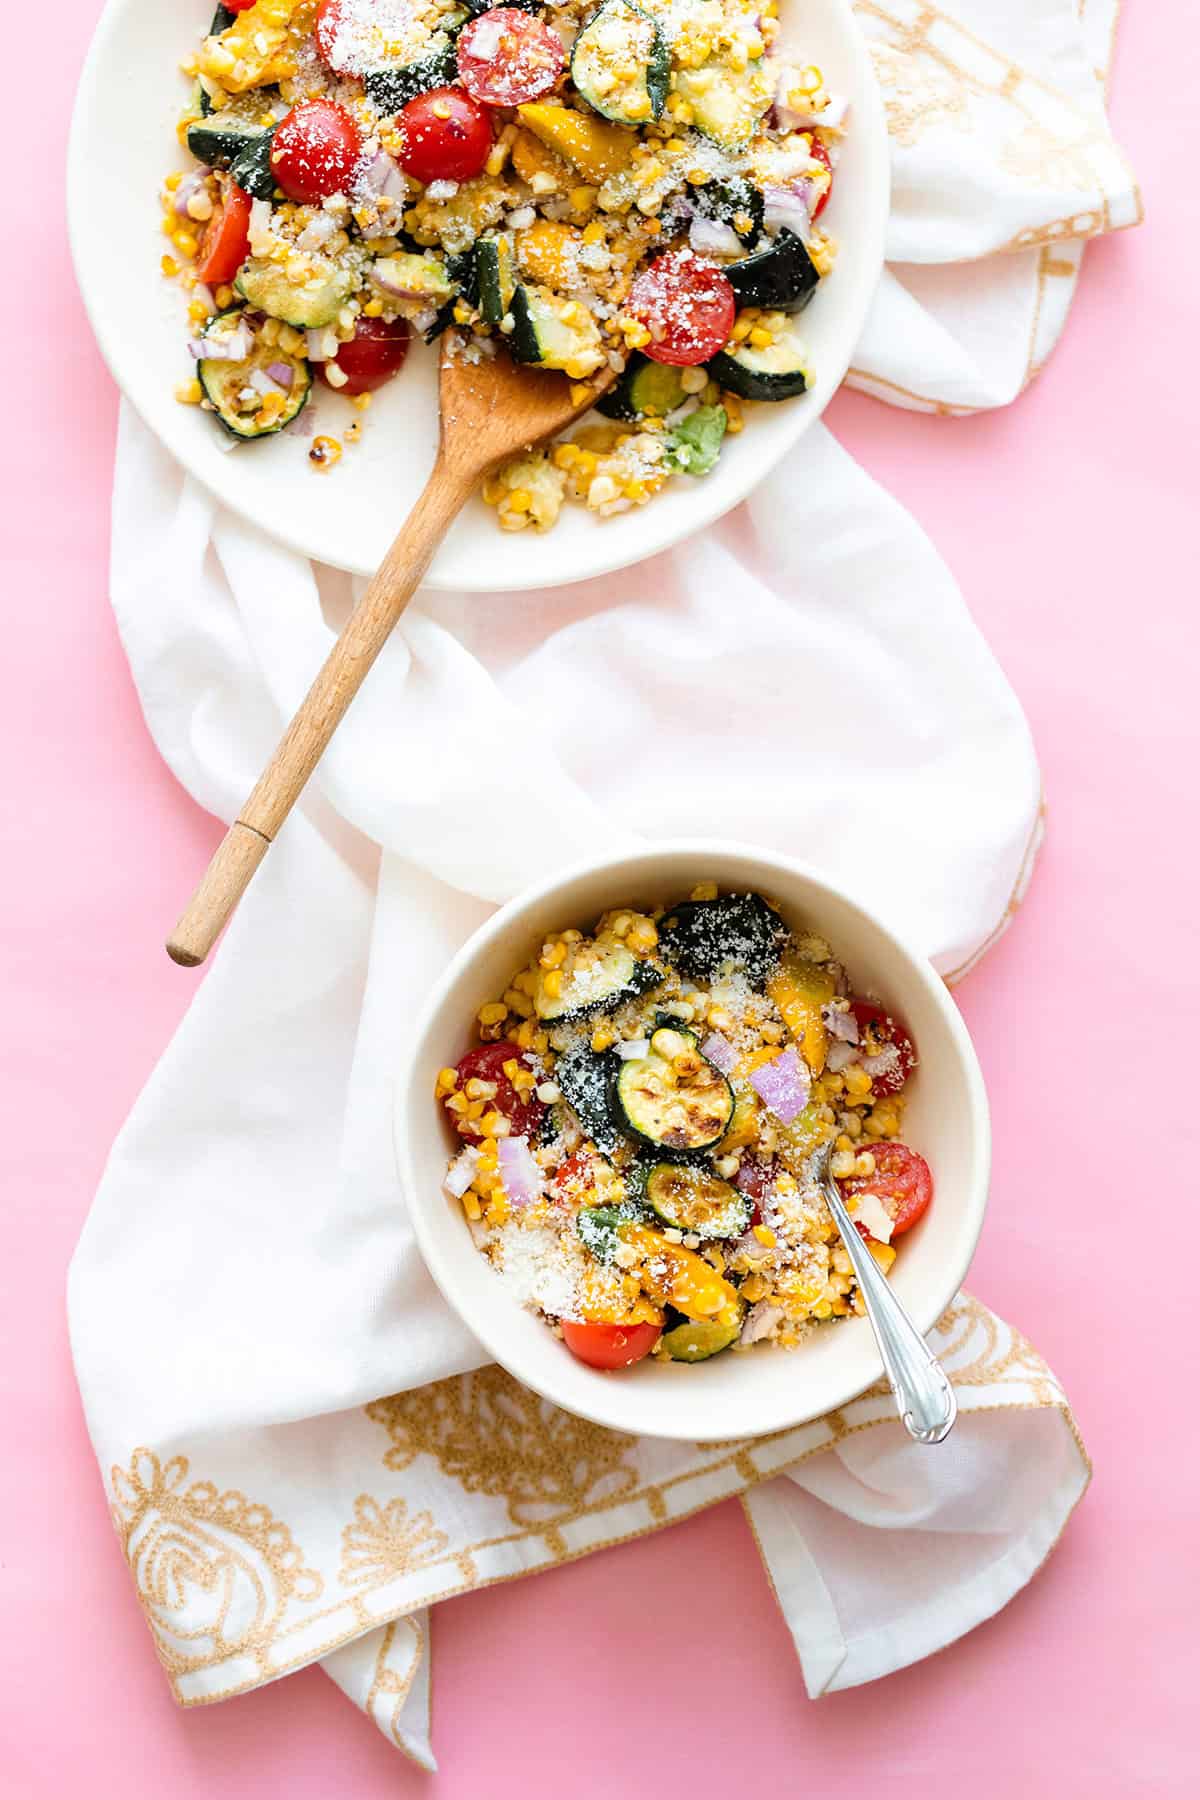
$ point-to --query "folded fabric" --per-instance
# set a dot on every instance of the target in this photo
(301, 1448)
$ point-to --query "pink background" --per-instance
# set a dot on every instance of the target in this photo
(1070, 523)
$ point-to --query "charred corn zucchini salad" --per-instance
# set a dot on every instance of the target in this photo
(641, 1118)
(625, 188)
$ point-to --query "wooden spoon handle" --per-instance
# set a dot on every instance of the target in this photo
(304, 742)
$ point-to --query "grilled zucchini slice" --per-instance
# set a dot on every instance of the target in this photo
(309, 307)
(674, 1097)
(558, 334)
(595, 978)
(618, 35)
(701, 936)
(782, 278)
(645, 389)
(228, 386)
(495, 276)
(691, 1198)
(777, 373)
(695, 1340)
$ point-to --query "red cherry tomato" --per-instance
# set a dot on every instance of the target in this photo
(877, 1029)
(339, 52)
(574, 1180)
(315, 151)
(820, 154)
(604, 1346)
(688, 306)
(226, 240)
(753, 1180)
(236, 6)
(902, 1180)
(447, 135)
(374, 354)
(487, 1064)
(507, 57)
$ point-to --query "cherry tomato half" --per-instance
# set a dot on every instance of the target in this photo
(604, 1346)
(487, 1064)
(574, 1180)
(374, 354)
(236, 6)
(447, 135)
(687, 305)
(226, 240)
(877, 1031)
(753, 1179)
(315, 151)
(336, 49)
(902, 1180)
(507, 57)
(820, 154)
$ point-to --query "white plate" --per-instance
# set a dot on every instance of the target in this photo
(123, 143)
(752, 1392)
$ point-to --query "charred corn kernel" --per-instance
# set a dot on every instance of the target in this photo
(325, 453)
(189, 393)
(858, 1082)
(761, 339)
(447, 1081)
(603, 1038)
(492, 1013)
(582, 198)
(186, 243)
(494, 1124)
(169, 266)
(755, 1288)
(742, 328)
(766, 1236)
(841, 1164)
(593, 233)
(552, 984)
(458, 1103)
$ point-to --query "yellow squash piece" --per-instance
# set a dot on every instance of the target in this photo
(677, 1277)
(546, 253)
(800, 989)
(531, 157)
(743, 1127)
(596, 148)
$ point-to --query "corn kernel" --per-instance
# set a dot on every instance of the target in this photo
(552, 983)
(186, 243)
(189, 393)
(169, 267)
(766, 1236)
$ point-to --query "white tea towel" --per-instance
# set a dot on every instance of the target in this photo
(301, 1448)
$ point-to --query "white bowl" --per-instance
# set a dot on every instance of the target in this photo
(748, 1393)
(122, 145)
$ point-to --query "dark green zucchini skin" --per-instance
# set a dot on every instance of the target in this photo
(782, 278)
(464, 270)
(251, 168)
(726, 201)
(698, 936)
(672, 1208)
(756, 384)
(587, 1081)
(624, 399)
(391, 89)
(222, 20)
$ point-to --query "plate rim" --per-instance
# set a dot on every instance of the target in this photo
(737, 486)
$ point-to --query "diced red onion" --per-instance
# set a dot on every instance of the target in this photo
(316, 345)
(191, 184)
(841, 1025)
(282, 374)
(748, 1178)
(720, 1052)
(393, 287)
(263, 383)
(633, 1049)
(711, 237)
(260, 217)
(304, 424)
(883, 1064)
(787, 209)
(523, 1180)
(840, 1054)
(783, 1084)
(227, 346)
(761, 1320)
(461, 1172)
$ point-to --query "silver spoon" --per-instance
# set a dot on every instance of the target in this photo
(924, 1397)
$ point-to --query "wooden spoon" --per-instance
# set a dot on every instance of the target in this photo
(490, 410)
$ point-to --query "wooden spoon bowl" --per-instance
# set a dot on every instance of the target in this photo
(489, 410)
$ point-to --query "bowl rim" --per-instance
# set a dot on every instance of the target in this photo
(716, 851)
(608, 551)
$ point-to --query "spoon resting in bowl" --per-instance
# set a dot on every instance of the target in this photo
(924, 1396)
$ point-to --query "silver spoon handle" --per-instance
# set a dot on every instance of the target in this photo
(924, 1395)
